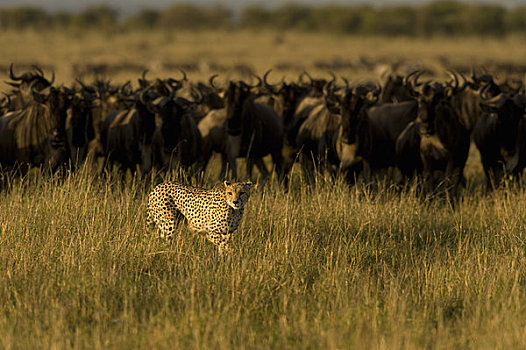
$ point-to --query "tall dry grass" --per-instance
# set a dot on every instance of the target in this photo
(318, 267)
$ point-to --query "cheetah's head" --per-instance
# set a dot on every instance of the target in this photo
(237, 193)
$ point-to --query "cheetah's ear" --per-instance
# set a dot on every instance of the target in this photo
(249, 184)
(227, 183)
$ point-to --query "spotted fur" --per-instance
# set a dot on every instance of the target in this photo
(216, 212)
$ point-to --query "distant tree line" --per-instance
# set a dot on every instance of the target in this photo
(450, 18)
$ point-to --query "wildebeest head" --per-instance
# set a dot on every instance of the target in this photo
(287, 99)
(26, 83)
(484, 82)
(453, 87)
(428, 95)
(316, 86)
(36, 80)
(394, 90)
(210, 94)
(354, 103)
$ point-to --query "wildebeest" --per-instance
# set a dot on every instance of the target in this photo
(35, 135)
(126, 135)
(319, 123)
(499, 136)
(80, 128)
(253, 130)
(444, 140)
(287, 98)
(177, 140)
(108, 99)
(378, 132)
(394, 90)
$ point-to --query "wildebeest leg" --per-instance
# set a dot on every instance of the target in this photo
(453, 178)
(224, 167)
(288, 157)
(249, 164)
(428, 176)
(262, 167)
(307, 165)
(231, 163)
(277, 160)
(367, 173)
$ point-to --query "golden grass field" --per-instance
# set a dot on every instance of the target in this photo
(327, 266)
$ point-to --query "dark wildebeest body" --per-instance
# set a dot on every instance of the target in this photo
(378, 132)
(317, 139)
(108, 101)
(442, 138)
(79, 128)
(127, 137)
(35, 135)
(177, 140)
(499, 136)
(254, 130)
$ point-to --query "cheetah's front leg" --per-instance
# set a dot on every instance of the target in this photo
(222, 241)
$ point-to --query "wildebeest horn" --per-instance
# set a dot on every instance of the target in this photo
(184, 75)
(346, 81)
(16, 85)
(12, 75)
(123, 88)
(267, 84)
(38, 69)
(248, 86)
(81, 83)
(144, 74)
(333, 77)
(211, 81)
(496, 101)
(52, 77)
(412, 78)
(260, 81)
(308, 76)
(142, 96)
(412, 81)
(454, 77)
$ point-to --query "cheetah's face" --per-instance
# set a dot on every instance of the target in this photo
(237, 193)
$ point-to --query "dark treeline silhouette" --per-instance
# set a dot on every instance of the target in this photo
(446, 18)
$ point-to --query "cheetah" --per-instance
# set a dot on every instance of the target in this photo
(216, 212)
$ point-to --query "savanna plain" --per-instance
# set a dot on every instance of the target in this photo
(325, 266)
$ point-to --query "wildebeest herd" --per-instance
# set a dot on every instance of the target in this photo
(422, 127)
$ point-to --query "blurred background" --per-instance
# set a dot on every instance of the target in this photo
(121, 38)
